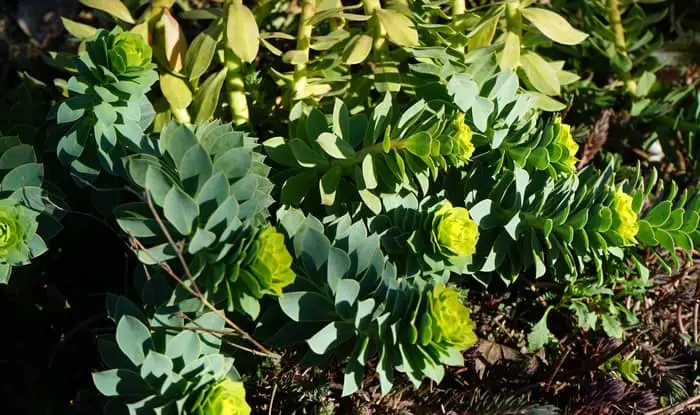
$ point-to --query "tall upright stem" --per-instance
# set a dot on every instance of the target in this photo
(619, 38)
(337, 22)
(235, 85)
(459, 7)
(514, 18)
(235, 88)
(616, 26)
(380, 45)
(308, 9)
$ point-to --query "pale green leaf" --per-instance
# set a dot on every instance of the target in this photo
(540, 74)
(242, 33)
(79, 30)
(483, 34)
(112, 7)
(201, 52)
(175, 90)
(554, 26)
(399, 28)
(510, 56)
(546, 103)
(358, 49)
(207, 98)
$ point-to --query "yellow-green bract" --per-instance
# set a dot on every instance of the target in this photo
(128, 52)
(17, 228)
(626, 217)
(454, 231)
(272, 262)
(451, 319)
(566, 140)
(463, 148)
(11, 230)
(224, 398)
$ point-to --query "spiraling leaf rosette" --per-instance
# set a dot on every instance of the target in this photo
(128, 53)
(566, 141)
(426, 237)
(363, 157)
(350, 302)
(504, 119)
(451, 322)
(272, 263)
(226, 397)
(108, 113)
(211, 189)
(18, 228)
(462, 146)
(166, 364)
(454, 231)
(561, 225)
(23, 207)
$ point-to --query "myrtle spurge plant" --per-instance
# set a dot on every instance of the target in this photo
(107, 112)
(23, 204)
(349, 300)
(177, 368)
(344, 182)
(212, 189)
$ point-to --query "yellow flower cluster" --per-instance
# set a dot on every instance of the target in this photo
(565, 139)
(272, 264)
(128, 52)
(452, 323)
(455, 232)
(225, 398)
(627, 226)
(11, 231)
(462, 146)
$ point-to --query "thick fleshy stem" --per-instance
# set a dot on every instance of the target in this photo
(620, 44)
(514, 18)
(337, 22)
(459, 7)
(373, 149)
(235, 85)
(235, 88)
(380, 45)
(308, 9)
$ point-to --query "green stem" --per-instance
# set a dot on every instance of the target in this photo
(235, 85)
(235, 88)
(308, 9)
(380, 45)
(377, 148)
(514, 18)
(459, 7)
(619, 38)
(616, 27)
(338, 22)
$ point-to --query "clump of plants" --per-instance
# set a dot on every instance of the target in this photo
(401, 194)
